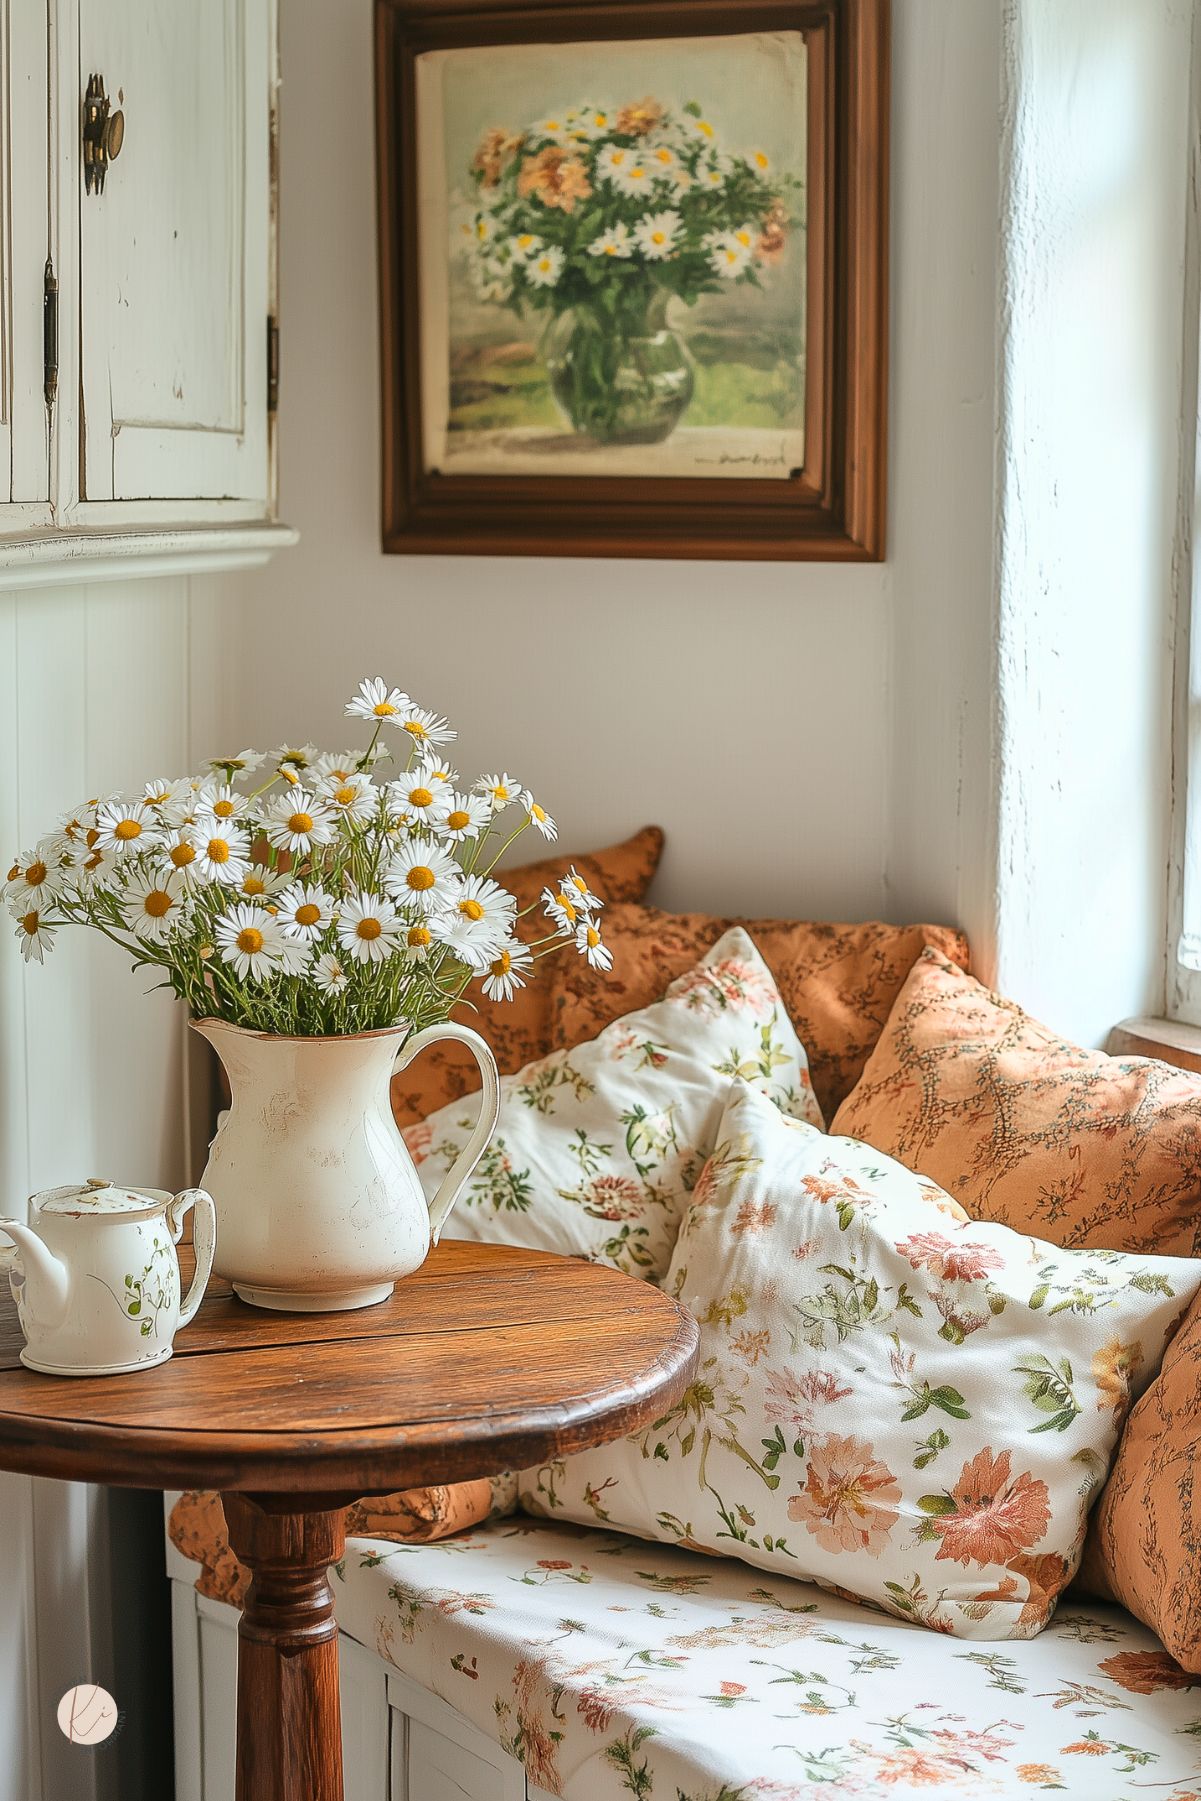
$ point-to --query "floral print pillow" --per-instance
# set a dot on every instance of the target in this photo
(908, 1406)
(598, 1148)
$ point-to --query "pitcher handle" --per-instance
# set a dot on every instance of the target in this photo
(463, 1167)
(204, 1242)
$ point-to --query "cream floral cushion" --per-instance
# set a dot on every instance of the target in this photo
(893, 1399)
(598, 1148)
(612, 1668)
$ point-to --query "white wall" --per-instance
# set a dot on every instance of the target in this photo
(94, 693)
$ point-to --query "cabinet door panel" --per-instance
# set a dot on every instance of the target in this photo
(174, 254)
(24, 243)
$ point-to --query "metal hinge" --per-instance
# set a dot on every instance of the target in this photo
(50, 334)
(272, 363)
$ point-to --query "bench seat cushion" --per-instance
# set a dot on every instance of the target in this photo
(612, 1667)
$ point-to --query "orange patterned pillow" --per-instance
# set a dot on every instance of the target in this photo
(837, 981)
(1026, 1129)
(1145, 1538)
(520, 1030)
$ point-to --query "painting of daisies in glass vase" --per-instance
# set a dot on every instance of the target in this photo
(613, 257)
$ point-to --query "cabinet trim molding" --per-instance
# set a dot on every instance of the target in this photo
(38, 560)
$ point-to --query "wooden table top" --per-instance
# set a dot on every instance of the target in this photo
(485, 1359)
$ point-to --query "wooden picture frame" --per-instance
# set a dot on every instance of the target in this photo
(832, 506)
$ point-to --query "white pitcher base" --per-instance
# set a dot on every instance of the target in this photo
(95, 1369)
(293, 1300)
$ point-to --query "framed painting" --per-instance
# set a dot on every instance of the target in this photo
(633, 276)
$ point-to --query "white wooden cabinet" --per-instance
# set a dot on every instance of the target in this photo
(154, 437)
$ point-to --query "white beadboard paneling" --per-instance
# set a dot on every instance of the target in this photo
(94, 690)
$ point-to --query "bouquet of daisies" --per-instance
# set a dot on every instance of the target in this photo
(308, 893)
(601, 206)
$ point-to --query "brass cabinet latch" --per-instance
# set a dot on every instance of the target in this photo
(103, 134)
(50, 334)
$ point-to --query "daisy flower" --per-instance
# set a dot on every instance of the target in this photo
(662, 159)
(163, 794)
(304, 910)
(466, 816)
(335, 766)
(417, 799)
(34, 877)
(423, 875)
(442, 772)
(221, 853)
(261, 883)
(758, 161)
(153, 905)
(590, 946)
(353, 798)
(562, 911)
(429, 731)
(636, 176)
(545, 267)
(244, 763)
(728, 257)
(711, 175)
(524, 245)
(702, 129)
(369, 927)
(295, 956)
(298, 820)
(656, 235)
(614, 242)
(124, 826)
(290, 759)
(220, 802)
(250, 939)
(539, 817)
(35, 935)
(747, 236)
(579, 893)
(508, 970)
(181, 807)
(329, 973)
(417, 943)
(499, 790)
(612, 160)
(481, 908)
(71, 838)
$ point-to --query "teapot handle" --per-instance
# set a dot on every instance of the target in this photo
(204, 1242)
(463, 1167)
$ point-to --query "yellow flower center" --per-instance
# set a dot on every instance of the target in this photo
(218, 850)
(300, 822)
(157, 903)
(127, 830)
(617, 158)
(663, 155)
(182, 854)
(35, 875)
(567, 907)
(578, 881)
(658, 237)
(289, 775)
(704, 127)
(254, 884)
(344, 796)
(250, 940)
(500, 792)
(308, 915)
(415, 726)
(458, 820)
(29, 923)
(593, 938)
(92, 836)
(761, 161)
(368, 929)
(418, 938)
(14, 872)
(224, 809)
(471, 909)
(421, 797)
(637, 175)
(601, 119)
(420, 878)
(503, 964)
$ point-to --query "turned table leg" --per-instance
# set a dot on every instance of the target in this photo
(289, 1716)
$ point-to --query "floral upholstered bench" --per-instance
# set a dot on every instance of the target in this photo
(949, 1347)
(557, 1660)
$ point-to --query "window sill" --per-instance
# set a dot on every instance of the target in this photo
(1166, 1039)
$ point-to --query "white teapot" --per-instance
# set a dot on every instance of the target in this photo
(95, 1275)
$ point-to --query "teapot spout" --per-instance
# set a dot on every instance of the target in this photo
(43, 1277)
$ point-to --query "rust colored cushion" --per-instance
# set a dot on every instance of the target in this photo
(413, 1516)
(1144, 1543)
(837, 981)
(1026, 1129)
(520, 1030)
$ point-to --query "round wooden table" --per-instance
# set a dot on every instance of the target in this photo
(486, 1359)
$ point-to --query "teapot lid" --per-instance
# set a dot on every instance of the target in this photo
(97, 1197)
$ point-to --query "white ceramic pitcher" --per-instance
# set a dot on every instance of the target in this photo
(319, 1207)
(96, 1279)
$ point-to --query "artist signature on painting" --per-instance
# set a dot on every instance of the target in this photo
(727, 458)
